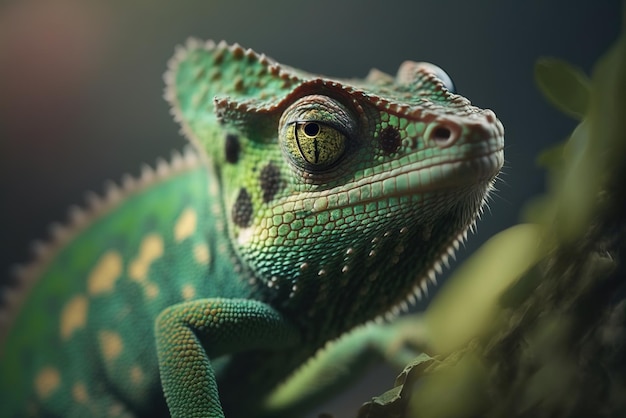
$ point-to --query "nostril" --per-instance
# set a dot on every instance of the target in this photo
(443, 135)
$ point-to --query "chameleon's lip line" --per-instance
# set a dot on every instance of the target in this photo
(475, 170)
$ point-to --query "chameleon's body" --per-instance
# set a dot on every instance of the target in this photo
(310, 206)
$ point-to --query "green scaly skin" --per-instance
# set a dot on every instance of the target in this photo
(309, 206)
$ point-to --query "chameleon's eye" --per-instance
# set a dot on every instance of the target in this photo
(318, 144)
(314, 132)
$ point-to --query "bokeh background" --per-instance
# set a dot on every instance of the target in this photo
(81, 86)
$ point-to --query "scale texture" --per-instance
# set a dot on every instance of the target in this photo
(212, 284)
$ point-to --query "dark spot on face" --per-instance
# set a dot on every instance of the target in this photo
(390, 140)
(269, 178)
(232, 148)
(242, 209)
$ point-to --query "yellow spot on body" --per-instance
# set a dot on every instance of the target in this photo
(73, 316)
(152, 290)
(201, 253)
(216, 209)
(188, 292)
(151, 248)
(79, 393)
(106, 272)
(213, 190)
(136, 375)
(110, 344)
(185, 225)
(47, 381)
(117, 410)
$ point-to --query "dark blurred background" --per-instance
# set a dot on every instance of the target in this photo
(81, 85)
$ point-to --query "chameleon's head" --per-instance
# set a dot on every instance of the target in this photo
(351, 190)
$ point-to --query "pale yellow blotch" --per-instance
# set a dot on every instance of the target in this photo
(245, 235)
(136, 375)
(117, 410)
(188, 292)
(73, 316)
(213, 190)
(152, 290)
(106, 272)
(138, 270)
(150, 249)
(110, 344)
(46, 382)
(216, 209)
(79, 393)
(201, 253)
(185, 225)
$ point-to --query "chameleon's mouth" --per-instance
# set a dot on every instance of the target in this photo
(424, 177)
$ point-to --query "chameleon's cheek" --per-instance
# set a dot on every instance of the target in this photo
(255, 197)
(254, 221)
(271, 230)
(242, 210)
(245, 236)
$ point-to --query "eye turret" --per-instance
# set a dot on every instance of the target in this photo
(314, 132)
(319, 145)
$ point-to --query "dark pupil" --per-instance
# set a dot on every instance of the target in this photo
(311, 129)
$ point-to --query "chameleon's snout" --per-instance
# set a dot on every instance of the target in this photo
(443, 134)
(449, 130)
(471, 147)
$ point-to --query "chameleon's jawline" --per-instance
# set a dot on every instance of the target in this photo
(420, 288)
(490, 164)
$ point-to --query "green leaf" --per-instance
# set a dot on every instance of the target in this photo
(563, 85)
(552, 158)
(392, 404)
(469, 304)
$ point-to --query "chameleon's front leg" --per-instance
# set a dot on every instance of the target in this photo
(189, 334)
(344, 360)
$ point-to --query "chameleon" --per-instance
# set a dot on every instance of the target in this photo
(242, 276)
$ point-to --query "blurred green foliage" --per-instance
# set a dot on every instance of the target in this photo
(534, 324)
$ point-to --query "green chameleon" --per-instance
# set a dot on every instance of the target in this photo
(214, 283)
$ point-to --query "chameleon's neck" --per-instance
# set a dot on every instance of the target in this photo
(365, 275)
